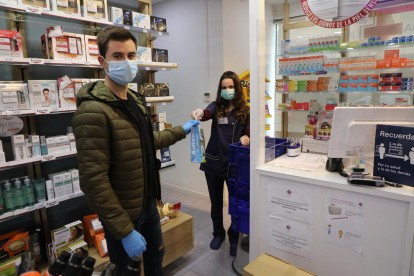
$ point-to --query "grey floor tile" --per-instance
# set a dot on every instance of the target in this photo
(196, 229)
(171, 196)
(203, 237)
(191, 273)
(186, 262)
(218, 263)
(201, 217)
(194, 203)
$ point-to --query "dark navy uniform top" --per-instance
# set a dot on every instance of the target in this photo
(224, 131)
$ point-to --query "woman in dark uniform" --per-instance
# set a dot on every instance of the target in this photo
(231, 124)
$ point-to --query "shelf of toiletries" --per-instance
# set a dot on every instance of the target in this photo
(333, 44)
(346, 92)
(37, 159)
(130, 20)
(321, 73)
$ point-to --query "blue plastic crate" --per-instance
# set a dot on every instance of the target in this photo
(239, 189)
(275, 147)
(240, 211)
(239, 160)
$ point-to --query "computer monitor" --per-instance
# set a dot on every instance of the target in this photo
(353, 128)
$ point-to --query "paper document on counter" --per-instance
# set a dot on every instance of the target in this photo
(303, 162)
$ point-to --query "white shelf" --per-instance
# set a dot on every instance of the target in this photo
(155, 101)
(39, 159)
(38, 206)
(168, 164)
(36, 112)
(385, 70)
(352, 92)
(46, 12)
(389, 47)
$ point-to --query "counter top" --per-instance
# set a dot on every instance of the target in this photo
(321, 177)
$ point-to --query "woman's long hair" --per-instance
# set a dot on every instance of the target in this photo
(240, 106)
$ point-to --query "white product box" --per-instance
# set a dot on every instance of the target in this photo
(19, 147)
(61, 143)
(75, 180)
(64, 235)
(69, 47)
(144, 54)
(117, 15)
(51, 146)
(161, 117)
(135, 16)
(133, 87)
(144, 21)
(43, 94)
(58, 185)
(72, 141)
(67, 97)
(95, 9)
(43, 4)
(79, 83)
(67, 183)
(161, 126)
(10, 44)
(65, 7)
(14, 96)
(92, 51)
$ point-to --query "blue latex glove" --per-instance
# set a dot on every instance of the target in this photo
(134, 244)
(187, 126)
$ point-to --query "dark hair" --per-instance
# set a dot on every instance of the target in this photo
(45, 90)
(240, 105)
(113, 33)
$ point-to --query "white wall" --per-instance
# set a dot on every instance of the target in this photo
(196, 44)
(236, 35)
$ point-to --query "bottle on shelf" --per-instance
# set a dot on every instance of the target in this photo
(59, 265)
(43, 145)
(18, 194)
(9, 197)
(87, 266)
(28, 266)
(28, 191)
(74, 267)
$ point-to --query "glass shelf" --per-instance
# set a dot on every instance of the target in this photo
(292, 110)
(350, 50)
(348, 92)
(389, 70)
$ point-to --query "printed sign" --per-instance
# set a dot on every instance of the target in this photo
(394, 154)
(358, 14)
(10, 125)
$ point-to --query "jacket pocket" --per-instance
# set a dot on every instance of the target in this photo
(214, 162)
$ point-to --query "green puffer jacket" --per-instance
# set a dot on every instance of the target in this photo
(110, 156)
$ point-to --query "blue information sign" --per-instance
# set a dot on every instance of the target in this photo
(394, 154)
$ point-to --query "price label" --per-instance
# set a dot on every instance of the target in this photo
(164, 69)
(87, 63)
(52, 203)
(3, 4)
(73, 196)
(21, 211)
(48, 157)
(42, 111)
(145, 31)
(147, 68)
(45, 11)
(13, 112)
(126, 27)
(159, 33)
(37, 61)
(32, 208)
(56, 109)
(40, 205)
(8, 59)
(35, 10)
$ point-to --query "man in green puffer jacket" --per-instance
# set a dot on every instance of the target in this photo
(119, 172)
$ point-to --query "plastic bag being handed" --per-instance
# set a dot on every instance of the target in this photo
(198, 148)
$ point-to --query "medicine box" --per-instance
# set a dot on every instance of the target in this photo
(362, 87)
(372, 78)
(75, 180)
(35, 3)
(381, 64)
(352, 87)
(344, 79)
(158, 24)
(372, 86)
(51, 146)
(66, 7)
(67, 234)
(390, 54)
(70, 47)
(10, 44)
(162, 89)
(363, 79)
(95, 9)
(144, 54)
(144, 21)
(67, 97)
(135, 17)
(67, 183)
(116, 15)
(147, 89)
(343, 67)
(92, 50)
(356, 59)
(14, 96)
(356, 66)
(58, 185)
(127, 17)
(133, 86)
(61, 143)
(43, 94)
(353, 79)
(369, 65)
(369, 59)
(19, 147)
(343, 87)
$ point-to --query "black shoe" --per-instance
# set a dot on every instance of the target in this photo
(216, 243)
(233, 249)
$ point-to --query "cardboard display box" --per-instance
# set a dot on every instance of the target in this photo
(10, 44)
(69, 47)
(35, 3)
(268, 265)
(95, 9)
(66, 6)
(14, 96)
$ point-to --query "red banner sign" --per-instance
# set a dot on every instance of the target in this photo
(337, 24)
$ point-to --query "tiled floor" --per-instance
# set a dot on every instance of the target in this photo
(201, 261)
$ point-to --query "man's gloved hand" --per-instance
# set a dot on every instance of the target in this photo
(134, 244)
(197, 114)
(187, 126)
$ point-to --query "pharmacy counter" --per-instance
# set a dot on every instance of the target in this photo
(386, 234)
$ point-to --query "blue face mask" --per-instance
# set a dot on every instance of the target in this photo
(227, 94)
(122, 71)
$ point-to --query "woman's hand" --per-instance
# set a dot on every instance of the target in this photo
(197, 114)
(245, 140)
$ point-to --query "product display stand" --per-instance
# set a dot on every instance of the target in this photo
(387, 238)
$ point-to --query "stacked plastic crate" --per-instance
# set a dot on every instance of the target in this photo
(239, 181)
